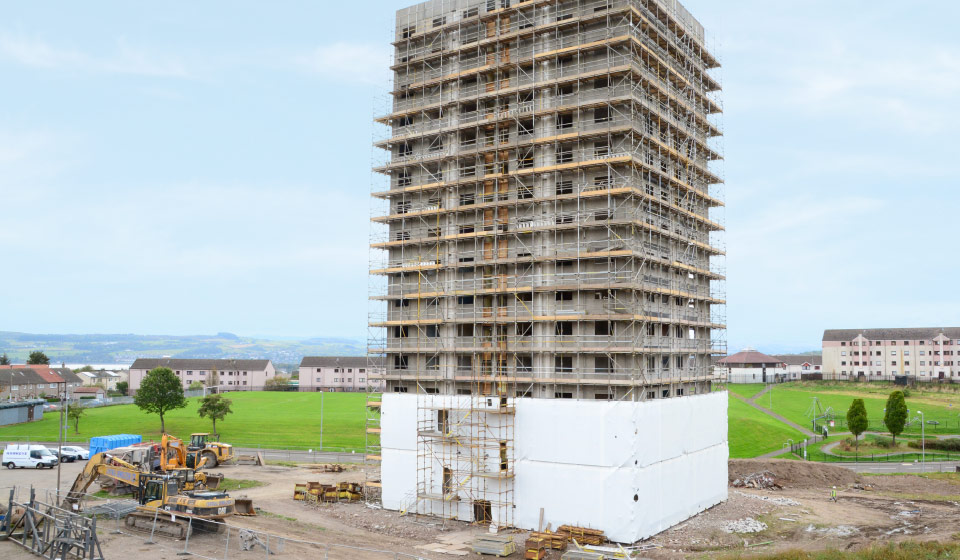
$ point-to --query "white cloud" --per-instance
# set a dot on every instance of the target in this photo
(126, 59)
(361, 63)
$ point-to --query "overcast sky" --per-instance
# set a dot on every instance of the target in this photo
(194, 167)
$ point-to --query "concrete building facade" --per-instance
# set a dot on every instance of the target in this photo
(232, 375)
(546, 229)
(929, 354)
(338, 374)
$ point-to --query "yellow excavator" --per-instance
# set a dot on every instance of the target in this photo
(158, 493)
(206, 446)
(174, 459)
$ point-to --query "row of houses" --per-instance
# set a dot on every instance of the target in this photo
(316, 373)
(25, 382)
(926, 354)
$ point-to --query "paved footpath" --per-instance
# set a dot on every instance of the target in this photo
(774, 415)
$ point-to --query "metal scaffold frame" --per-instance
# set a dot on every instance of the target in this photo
(547, 224)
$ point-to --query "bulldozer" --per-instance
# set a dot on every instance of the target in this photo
(176, 460)
(158, 493)
(209, 447)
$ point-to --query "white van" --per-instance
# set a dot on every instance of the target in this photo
(28, 456)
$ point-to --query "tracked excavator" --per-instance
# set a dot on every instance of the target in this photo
(156, 494)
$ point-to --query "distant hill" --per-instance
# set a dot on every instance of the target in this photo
(125, 348)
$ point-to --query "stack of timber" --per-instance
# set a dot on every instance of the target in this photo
(581, 534)
(494, 545)
(314, 492)
(552, 540)
(535, 548)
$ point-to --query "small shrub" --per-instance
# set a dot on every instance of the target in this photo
(883, 442)
(906, 392)
(952, 444)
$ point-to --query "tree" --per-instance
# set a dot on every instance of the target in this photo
(277, 383)
(895, 417)
(4, 360)
(196, 386)
(214, 379)
(74, 412)
(38, 358)
(122, 387)
(214, 407)
(160, 392)
(84, 368)
(857, 419)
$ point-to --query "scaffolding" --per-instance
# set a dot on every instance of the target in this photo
(547, 224)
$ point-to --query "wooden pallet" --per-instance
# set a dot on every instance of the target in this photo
(535, 548)
(552, 540)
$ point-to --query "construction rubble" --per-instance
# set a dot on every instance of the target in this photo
(763, 480)
(745, 525)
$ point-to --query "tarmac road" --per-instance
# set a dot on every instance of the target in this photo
(890, 468)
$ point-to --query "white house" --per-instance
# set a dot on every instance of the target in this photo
(750, 366)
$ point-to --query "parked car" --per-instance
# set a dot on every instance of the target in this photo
(81, 453)
(28, 456)
(66, 456)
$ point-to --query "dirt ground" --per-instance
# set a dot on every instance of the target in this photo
(869, 509)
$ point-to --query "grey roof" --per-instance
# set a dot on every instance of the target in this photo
(800, 359)
(68, 375)
(219, 365)
(924, 333)
(20, 376)
(334, 361)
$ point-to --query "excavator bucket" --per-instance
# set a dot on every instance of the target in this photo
(213, 481)
(244, 506)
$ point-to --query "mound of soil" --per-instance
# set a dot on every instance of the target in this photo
(792, 474)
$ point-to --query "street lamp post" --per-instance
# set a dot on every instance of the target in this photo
(321, 421)
(923, 442)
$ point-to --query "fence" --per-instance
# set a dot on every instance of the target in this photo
(211, 540)
(945, 426)
(293, 453)
(911, 457)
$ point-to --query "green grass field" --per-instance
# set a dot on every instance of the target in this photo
(285, 420)
(745, 390)
(752, 433)
(794, 402)
(265, 419)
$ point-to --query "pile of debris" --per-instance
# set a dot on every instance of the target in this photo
(771, 499)
(763, 480)
(313, 492)
(745, 525)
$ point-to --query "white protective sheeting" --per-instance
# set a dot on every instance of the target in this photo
(631, 469)
(583, 462)
(398, 443)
